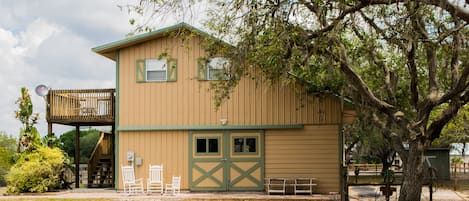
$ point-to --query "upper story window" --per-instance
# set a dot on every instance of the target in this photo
(156, 70)
(214, 68)
(217, 68)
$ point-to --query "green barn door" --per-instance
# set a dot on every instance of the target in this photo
(224, 161)
(207, 162)
(246, 161)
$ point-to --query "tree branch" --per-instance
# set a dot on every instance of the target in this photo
(434, 130)
(359, 83)
(386, 72)
(382, 32)
(413, 73)
(343, 14)
(432, 80)
(395, 140)
(461, 86)
(454, 60)
(455, 10)
(443, 36)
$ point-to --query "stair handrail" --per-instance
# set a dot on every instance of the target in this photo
(96, 154)
(98, 145)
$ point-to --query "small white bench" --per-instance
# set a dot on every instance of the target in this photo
(304, 185)
(275, 185)
(298, 185)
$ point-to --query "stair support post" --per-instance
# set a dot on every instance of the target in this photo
(77, 156)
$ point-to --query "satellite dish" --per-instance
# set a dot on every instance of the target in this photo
(42, 90)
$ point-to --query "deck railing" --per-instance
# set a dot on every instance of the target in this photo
(85, 105)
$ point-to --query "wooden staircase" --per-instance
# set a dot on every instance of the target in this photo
(100, 165)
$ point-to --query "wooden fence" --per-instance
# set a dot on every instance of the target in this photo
(460, 168)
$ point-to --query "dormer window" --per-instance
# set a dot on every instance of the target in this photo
(156, 69)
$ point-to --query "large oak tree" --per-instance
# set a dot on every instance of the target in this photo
(403, 58)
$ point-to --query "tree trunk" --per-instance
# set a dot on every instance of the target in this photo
(411, 188)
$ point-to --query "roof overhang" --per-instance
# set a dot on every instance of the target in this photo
(109, 50)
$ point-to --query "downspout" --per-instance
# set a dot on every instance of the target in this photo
(116, 124)
(342, 168)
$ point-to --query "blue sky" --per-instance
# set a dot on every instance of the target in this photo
(49, 42)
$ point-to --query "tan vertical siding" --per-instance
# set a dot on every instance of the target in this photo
(187, 102)
(157, 147)
(309, 152)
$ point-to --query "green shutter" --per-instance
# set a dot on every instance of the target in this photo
(202, 69)
(172, 70)
(140, 71)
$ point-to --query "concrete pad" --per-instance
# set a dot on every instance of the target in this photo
(103, 195)
(372, 193)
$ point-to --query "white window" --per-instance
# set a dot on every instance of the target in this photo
(156, 69)
(217, 68)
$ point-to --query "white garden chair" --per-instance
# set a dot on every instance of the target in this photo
(155, 179)
(130, 183)
(175, 186)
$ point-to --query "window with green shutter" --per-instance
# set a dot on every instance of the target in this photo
(156, 70)
(140, 72)
(201, 69)
(215, 68)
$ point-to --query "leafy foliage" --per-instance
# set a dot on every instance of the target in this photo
(40, 170)
(456, 131)
(370, 147)
(7, 155)
(88, 140)
(29, 136)
(402, 59)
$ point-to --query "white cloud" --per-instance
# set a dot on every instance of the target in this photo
(49, 42)
(34, 35)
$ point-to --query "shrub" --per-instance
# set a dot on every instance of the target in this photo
(37, 171)
(7, 155)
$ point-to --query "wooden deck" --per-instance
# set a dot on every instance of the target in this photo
(92, 107)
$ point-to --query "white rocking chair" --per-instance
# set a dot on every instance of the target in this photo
(130, 183)
(155, 179)
(175, 187)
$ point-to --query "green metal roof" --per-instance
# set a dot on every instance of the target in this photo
(108, 50)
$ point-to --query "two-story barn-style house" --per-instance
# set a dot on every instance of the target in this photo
(165, 114)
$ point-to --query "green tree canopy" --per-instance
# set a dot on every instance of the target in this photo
(403, 59)
(88, 140)
(7, 155)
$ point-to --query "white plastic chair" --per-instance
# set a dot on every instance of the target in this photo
(130, 183)
(155, 179)
(175, 187)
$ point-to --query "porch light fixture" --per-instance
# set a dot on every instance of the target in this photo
(223, 121)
